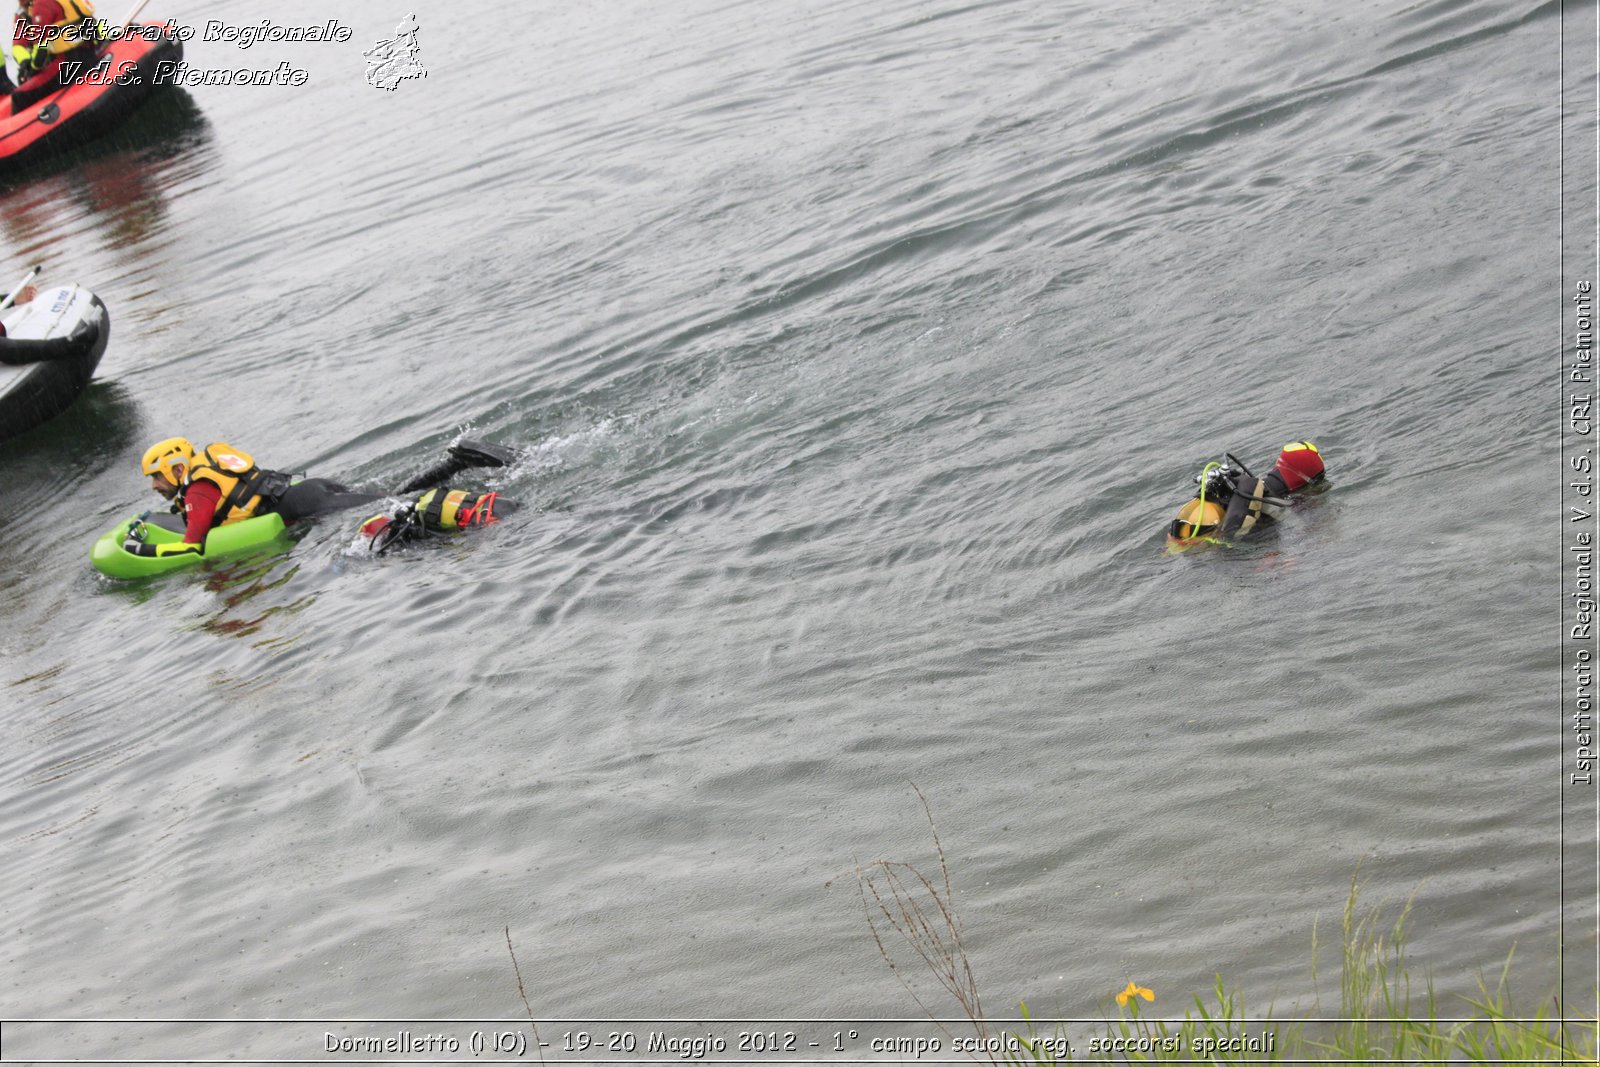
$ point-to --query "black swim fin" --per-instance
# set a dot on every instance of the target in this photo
(463, 454)
(484, 454)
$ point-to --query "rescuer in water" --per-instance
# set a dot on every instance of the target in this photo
(220, 484)
(1233, 503)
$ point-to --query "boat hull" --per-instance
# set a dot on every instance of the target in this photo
(93, 105)
(51, 349)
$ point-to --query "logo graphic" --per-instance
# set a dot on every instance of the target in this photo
(393, 61)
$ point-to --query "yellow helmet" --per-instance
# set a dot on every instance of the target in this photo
(161, 456)
(1195, 519)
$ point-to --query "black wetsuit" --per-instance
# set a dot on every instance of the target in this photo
(318, 496)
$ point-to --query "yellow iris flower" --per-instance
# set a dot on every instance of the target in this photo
(1134, 991)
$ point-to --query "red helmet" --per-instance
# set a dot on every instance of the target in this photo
(1299, 464)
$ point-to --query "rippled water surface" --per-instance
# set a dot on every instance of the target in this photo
(861, 353)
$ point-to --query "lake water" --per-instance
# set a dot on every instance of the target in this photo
(861, 354)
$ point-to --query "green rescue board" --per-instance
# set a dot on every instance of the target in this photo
(111, 559)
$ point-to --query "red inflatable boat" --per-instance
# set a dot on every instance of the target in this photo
(103, 95)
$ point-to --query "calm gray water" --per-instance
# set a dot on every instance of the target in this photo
(863, 352)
